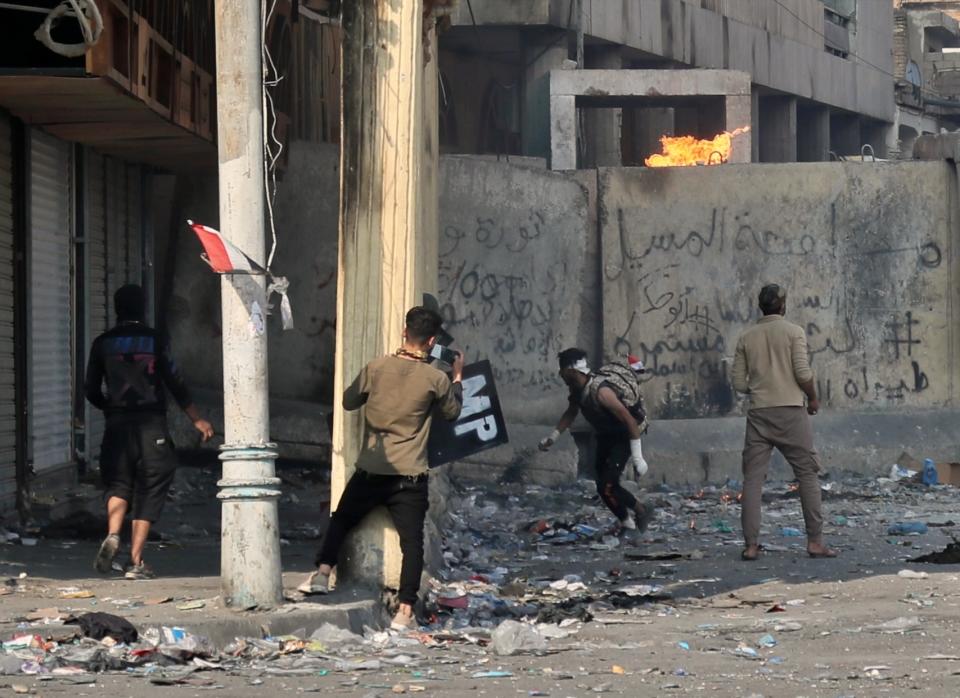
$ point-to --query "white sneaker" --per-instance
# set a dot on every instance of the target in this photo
(316, 583)
(402, 623)
(627, 523)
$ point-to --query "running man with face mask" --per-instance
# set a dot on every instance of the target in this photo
(618, 427)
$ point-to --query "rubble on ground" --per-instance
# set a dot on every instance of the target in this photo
(527, 569)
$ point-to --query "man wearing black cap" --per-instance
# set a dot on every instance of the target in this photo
(772, 366)
(618, 430)
(137, 462)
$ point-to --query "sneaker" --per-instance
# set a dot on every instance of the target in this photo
(402, 623)
(139, 572)
(316, 583)
(103, 563)
(644, 515)
(627, 523)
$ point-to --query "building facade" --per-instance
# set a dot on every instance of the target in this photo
(821, 73)
(83, 130)
(927, 67)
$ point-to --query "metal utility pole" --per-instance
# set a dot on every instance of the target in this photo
(249, 490)
(388, 227)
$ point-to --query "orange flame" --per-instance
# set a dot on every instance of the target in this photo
(685, 151)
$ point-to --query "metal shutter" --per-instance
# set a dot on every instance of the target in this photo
(8, 419)
(98, 302)
(51, 306)
(134, 226)
(124, 229)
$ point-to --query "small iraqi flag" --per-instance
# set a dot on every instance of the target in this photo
(636, 363)
(223, 256)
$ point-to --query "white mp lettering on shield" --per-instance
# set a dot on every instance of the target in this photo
(472, 402)
(486, 428)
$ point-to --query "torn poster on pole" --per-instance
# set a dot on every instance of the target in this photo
(480, 426)
(226, 258)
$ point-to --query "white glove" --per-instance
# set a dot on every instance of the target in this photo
(549, 441)
(640, 466)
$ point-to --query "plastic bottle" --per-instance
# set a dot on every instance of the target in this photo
(903, 528)
(929, 472)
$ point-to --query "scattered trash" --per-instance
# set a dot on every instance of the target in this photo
(929, 476)
(102, 625)
(897, 626)
(683, 645)
(191, 605)
(721, 526)
(790, 532)
(767, 641)
(948, 556)
(512, 637)
(74, 593)
(910, 574)
(898, 473)
(907, 528)
(158, 601)
(491, 674)
(331, 635)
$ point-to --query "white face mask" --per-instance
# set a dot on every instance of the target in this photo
(581, 365)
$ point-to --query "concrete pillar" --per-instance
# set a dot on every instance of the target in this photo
(249, 490)
(563, 132)
(845, 134)
(875, 133)
(540, 59)
(778, 129)
(739, 115)
(813, 134)
(602, 127)
(428, 225)
(380, 275)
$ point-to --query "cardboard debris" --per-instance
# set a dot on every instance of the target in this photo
(948, 474)
(79, 594)
(158, 600)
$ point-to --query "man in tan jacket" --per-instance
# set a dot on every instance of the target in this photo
(772, 366)
(400, 393)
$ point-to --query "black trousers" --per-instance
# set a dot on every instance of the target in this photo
(613, 454)
(137, 463)
(407, 500)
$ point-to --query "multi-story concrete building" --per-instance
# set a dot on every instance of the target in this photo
(926, 53)
(821, 73)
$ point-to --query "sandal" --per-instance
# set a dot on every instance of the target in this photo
(825, 553)
(747, 557)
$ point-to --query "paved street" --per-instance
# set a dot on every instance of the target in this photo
(672, 612)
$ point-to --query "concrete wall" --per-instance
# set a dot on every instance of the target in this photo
(865, 251)
(306, 215)
(513, 266)
(868, 252)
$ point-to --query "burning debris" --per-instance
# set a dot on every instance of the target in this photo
(687, 151)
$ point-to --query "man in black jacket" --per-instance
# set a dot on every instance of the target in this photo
(137, 461)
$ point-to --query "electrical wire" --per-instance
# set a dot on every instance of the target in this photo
(271, 78)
